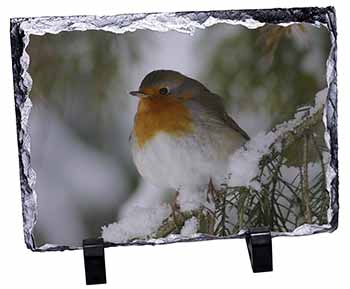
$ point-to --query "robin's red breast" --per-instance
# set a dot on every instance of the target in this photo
(182, 136)
(161, 113)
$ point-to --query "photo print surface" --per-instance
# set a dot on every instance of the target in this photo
(165, 127)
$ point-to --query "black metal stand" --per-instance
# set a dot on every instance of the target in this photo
(259, 243)
(94, 260)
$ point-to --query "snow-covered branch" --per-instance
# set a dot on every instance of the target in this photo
(264, 144)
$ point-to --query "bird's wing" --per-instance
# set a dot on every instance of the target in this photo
(236, 127)
(212, 105)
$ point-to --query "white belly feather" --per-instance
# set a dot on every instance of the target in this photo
(172, 162)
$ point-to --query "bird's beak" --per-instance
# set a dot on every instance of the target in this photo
(138, 94)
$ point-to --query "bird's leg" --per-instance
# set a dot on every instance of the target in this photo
(175, 208)
(212, 193)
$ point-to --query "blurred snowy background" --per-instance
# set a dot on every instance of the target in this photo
(82, 113)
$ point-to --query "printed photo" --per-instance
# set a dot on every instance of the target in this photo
(150, 136)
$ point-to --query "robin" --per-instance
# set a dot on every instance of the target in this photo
(182, 136)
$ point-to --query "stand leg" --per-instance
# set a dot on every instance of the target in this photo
(94, 260)
(259, 243)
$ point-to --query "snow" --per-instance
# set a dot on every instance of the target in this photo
(191, 199)
(145, 195)
(138, 223)
(244, 163)
(190, 227)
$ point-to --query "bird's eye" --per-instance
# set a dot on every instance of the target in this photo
(164, 91)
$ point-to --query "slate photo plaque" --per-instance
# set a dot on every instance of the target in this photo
(169, 127)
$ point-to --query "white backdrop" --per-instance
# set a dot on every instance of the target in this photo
(320, 261)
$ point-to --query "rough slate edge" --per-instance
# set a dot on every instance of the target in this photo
(250, 18)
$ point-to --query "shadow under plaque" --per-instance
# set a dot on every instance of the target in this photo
(167, 127)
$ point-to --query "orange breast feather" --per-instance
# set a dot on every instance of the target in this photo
(161, 114)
